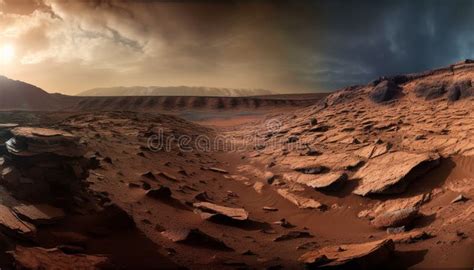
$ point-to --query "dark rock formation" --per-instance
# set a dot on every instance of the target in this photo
(385, 91)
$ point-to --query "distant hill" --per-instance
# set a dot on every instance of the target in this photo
(18, 95)
(173, 91)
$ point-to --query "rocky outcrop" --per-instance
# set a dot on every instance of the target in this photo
(43, 164)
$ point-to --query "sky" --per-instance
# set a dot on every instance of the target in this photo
(284, 46)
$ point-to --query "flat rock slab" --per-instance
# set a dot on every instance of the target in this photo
(390, 173)
(213, 209)
(321, 181)
(397, 218)
(194, 237)
(356, 256)
(301, 202)
(40, 258)
(12, 224)
(39, 213)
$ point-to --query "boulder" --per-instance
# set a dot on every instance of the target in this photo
(391, 173)
(397, 218)
(354, 256)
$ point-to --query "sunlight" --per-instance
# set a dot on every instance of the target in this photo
(7, 53)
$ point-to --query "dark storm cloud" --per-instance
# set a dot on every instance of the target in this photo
(363, 40)
(282, 45)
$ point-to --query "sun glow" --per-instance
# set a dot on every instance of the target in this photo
(7, 53)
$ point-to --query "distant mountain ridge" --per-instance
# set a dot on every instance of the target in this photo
(18, 95)
(173, 91)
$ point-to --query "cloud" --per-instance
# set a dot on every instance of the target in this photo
(285, 46)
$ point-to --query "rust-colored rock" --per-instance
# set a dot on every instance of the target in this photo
(356, 256)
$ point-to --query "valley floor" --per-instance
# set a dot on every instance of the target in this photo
(278, 231)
